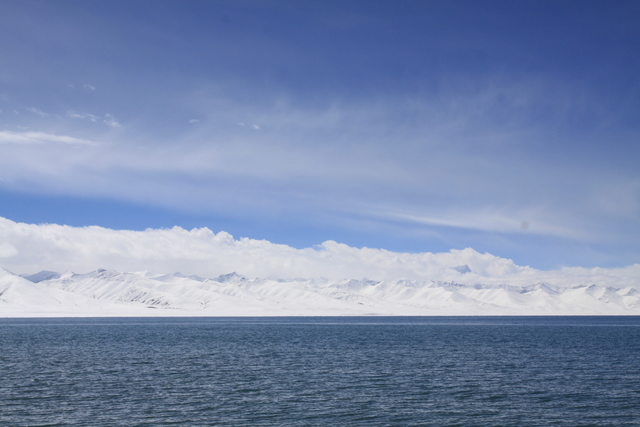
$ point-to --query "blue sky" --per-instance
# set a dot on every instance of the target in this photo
(507, 127)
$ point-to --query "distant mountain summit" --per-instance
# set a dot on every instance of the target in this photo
(230, 277)
(464, 269)
(41, 276)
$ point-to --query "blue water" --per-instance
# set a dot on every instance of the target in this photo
(455, 371)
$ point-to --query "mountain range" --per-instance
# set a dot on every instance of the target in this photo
(112, 293)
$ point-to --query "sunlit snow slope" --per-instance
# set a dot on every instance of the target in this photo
(111, 293)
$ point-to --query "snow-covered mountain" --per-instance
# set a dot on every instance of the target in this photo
(111, 293)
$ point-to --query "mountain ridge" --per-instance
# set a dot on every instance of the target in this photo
(113, 293)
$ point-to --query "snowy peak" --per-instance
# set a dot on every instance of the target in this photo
(109, 292)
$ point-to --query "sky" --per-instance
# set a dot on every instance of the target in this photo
(507, 127)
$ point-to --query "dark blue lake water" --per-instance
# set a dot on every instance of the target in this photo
(506, 371)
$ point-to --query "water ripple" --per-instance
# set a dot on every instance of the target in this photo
(419, 372)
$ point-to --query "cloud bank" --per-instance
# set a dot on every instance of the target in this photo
(27, 248)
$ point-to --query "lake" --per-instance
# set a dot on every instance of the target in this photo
(302, 371)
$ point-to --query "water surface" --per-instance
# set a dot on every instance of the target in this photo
(425, 371)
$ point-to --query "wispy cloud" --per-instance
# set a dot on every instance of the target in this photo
(8, 137)
(107, 119)
(428, 163)
(91, 117)
(38, 112)
(111, 121)
(252, 126)
(85, 86)
(531, 221)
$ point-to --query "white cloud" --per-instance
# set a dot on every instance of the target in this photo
(107, 119)
(85, 86)
(7, 250)
(193, 121)
(418, 163)
(522, 220)
(90, 117)
(111, 121)
(252, 126)
(38, 112)
(8, 137)
(29, 248)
